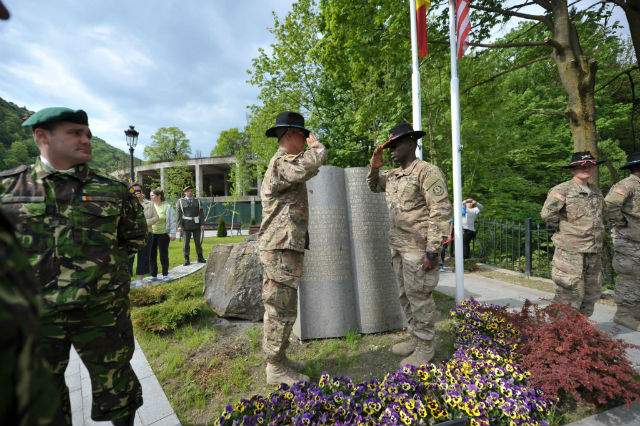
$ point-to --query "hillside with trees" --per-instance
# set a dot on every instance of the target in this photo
(17, 145)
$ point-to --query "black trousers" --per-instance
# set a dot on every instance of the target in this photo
(142, 267)
(186, 240)
(467, 236)
(159, 242)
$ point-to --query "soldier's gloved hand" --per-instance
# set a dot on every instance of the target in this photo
(376, 159)
(312, 140)
(429, 260)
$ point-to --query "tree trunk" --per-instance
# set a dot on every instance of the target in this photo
(632, 10)
(578, 75)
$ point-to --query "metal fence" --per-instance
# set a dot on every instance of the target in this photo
(525, 247)
(519, 246)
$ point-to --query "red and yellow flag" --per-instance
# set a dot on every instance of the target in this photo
(422, 8)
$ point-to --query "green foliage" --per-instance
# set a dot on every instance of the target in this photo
(169, 315)
(168, 144)
(164, 308)
(352, 80)
(176, 178)
(222, 228)
(148, 295)
(228, 142)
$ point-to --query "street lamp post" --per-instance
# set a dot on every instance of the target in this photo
(132, 140)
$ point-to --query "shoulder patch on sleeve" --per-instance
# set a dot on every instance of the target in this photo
(557, 196)
(14, 171)
(619, 191)
(437, 189)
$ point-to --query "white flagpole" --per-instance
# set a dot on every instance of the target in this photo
(415, 76)
(456, 150)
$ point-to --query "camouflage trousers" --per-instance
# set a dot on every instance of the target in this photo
(626, 263)
(415, 287)
(102, 335)
(578, 279)
(281, 272)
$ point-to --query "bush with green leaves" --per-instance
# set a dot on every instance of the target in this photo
(222, 228)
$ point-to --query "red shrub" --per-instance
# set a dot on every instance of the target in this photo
(569, 357)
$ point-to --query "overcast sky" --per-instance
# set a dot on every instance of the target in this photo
(148, 63)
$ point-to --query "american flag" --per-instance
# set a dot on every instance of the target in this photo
(463, 26)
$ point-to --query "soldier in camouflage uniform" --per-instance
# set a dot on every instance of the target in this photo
(283, 238)
(575, 209)
(78, 228)
(419, 210)
(622, 206)
(27, 393)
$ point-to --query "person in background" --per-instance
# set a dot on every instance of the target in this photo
(190, 219)
(470, 211)
(162, 232)
(150, 215)
(575, 210)
(622, 211)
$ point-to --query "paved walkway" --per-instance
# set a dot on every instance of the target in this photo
(498, 292)
(156, 410)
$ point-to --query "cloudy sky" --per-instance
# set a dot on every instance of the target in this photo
(148, 63)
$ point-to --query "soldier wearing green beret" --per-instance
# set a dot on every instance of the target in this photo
(78, 228)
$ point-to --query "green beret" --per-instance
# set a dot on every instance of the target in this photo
(52, 114)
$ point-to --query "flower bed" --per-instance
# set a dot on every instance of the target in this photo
(488, 379)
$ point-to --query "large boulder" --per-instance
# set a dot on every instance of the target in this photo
(233, 281)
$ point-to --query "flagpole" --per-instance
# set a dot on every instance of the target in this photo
(415, 76)
(456, 150)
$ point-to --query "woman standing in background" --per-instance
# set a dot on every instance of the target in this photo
(162, 232)
(142, 267)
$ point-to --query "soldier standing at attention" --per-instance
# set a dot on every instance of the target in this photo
(78, 228)
(190, 217)
(283, 238)
(623, 213)
(575, 208)
(419, 210)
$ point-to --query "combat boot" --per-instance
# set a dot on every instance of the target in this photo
(280, 373)
(624, 316)
(421, 355)
(405, 347)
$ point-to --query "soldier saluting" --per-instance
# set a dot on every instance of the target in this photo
(283, 238)
(623, 213)
(78, 228)
(419, 207)
(575, 209)
(190, 217)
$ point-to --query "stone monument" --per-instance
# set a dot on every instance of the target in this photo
(348, 281)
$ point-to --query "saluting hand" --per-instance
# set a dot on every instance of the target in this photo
(312, 140)
(376, 159)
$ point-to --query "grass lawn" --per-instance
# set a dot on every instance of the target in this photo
(175, 249)
(204, 362)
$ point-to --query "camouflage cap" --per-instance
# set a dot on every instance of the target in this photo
(52, 114)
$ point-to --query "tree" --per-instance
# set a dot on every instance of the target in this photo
(228, 142)
(168, 144)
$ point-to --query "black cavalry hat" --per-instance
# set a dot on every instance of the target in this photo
(582, 158)
(633, 160)
(286, 120)
(400, 131)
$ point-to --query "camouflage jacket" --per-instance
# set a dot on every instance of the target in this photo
(622, 206)
(577, 214)
(78, 229)
(419, 206)
(285, 207)
(27, 393)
